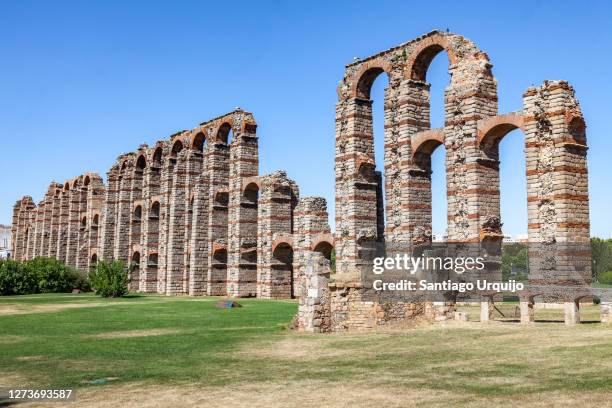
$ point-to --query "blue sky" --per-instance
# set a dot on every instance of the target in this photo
(82, 82)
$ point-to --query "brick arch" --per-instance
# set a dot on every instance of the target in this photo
(177, 146)
(426, 50)
(282, 239)
(427, 141)
(222, 131)
(362, 80)
(157, 155)
(76, 182)
(141, 161)
(322, 238)
(199, 137)
(491, 130)
(249, 181)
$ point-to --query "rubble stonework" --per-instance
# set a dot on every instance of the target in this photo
(189, 215)
(193, 216)
(555, 146)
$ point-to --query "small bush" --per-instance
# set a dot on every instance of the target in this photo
(606, 278)
(46, 275)
(109, 279)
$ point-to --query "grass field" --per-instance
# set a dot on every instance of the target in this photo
(180, 351)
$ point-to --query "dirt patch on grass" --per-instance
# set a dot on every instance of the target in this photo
(300, 348)
(10, 339)
(313, 394)
(133, 333)
(31, 358)
(50, 308)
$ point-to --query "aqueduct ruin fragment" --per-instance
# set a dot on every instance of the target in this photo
(191, 215)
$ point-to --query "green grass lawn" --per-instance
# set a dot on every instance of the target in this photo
(66, 347)
(152, 346)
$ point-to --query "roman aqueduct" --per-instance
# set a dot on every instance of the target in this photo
(193, 216)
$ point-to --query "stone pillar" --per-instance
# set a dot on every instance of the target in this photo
(74, 223)
(557, 186)
(243, 196)
(109, 215)
(415, 186)
(606, 312)
(311, 228)
(38, 229)
(16, 232)
(198, 267)
(30, 232)
(193, 170)
(47, 217)
(275, 274)
(95, 201)
(176, 227)
(527, 311)
(55, 222)
(572, 312)
(167, 177)
(121, 250)
(62, 241)
(82, 256)
(217, 170)
(150, 226)
(356, 190)
(314, 312)
(486, 310)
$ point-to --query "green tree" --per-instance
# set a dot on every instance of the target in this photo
(109, 279)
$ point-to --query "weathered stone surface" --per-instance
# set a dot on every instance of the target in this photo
(190, 215)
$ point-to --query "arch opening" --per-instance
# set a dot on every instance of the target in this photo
(141, 163)
(225, 133)
(375, 86)
(325, 249)
(283, 279)
(177, 147)
(198, 142)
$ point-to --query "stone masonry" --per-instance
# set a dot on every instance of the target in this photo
(192, 215)
(189, 215)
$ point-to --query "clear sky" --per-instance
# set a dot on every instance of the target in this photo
(82, 82)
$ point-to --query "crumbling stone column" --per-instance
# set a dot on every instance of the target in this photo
(314, 312)
(557, 186)
(356, 189)
(275, 274)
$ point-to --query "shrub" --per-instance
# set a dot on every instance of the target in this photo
(606, 278)
(46, 275)
(109, 279)
(17, 279)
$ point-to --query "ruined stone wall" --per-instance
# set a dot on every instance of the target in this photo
(555, 145)
(189, 215)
